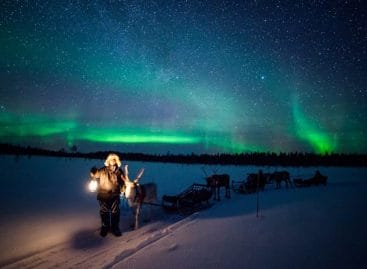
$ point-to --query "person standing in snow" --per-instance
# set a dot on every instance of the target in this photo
(111, 179)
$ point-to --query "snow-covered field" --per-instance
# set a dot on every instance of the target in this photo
(48, 219)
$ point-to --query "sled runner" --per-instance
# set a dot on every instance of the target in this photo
(188, 201)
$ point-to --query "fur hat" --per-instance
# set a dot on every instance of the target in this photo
(112, 157)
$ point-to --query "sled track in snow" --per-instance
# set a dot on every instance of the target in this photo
(95, 252)
(154, 237)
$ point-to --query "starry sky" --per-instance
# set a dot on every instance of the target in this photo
(184, 76)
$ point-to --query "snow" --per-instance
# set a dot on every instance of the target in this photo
(48, 219)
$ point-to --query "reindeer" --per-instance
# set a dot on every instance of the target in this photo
(137, 194)
(256, 181)
(215, 182)
(280, 176)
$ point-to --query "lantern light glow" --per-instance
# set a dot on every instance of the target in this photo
(93, 185)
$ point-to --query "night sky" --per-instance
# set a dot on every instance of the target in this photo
(184, 76)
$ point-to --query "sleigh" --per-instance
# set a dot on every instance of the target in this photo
(314, 181)
(317, 179)
(251, 184)
(243, 186)
(194, 198)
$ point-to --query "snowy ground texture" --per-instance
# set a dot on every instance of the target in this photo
(48, 219)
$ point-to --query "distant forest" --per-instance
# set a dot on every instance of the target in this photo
(253, 158)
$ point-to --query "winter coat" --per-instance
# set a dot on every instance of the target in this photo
(110, 182)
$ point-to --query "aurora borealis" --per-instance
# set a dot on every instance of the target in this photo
(184, 76)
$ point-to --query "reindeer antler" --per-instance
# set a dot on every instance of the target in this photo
(126, 171)
(139, 175)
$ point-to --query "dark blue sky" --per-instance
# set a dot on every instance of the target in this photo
(184, 76)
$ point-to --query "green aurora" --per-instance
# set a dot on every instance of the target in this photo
(131, 75)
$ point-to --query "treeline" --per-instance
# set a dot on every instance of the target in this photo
(254, 158)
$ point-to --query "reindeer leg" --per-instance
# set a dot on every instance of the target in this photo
(132, 223)
(214, 193)
(137, 215)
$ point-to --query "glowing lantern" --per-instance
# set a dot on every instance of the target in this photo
(93, 185)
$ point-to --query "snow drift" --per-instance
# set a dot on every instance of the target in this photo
(49, 219)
